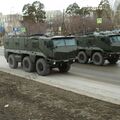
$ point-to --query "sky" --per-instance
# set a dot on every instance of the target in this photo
(15, 6)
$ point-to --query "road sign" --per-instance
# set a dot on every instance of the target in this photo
(99, 20)
(19, 29)
(22, 29)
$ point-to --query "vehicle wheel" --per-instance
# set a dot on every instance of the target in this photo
(12, 61)
(98, 58)
(65, 67)
(113, 60)
(82, 57)
(42, 67)
(28, 66)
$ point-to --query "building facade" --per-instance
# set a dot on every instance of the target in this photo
(10, 21)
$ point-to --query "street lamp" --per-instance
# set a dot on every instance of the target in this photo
(83, 12)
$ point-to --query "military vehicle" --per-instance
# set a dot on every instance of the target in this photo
(40, 53)
(98, 47)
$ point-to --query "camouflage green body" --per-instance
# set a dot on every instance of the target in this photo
(92, 43)
(40, 47)
(99, 43)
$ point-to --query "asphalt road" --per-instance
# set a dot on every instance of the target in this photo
(107, 73)
(88, 78)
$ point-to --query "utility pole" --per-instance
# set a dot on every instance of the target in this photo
(83, 22)
(63, 23)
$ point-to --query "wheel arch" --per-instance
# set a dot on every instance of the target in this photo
(80, 50)
(39, 57)
(94, 51)
(33, 58)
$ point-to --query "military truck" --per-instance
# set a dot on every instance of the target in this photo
(98, 47)
(40, 53)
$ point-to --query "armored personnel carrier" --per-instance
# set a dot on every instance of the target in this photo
(40, 53)
(98, 47)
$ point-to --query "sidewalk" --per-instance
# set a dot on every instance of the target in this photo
(25, 99)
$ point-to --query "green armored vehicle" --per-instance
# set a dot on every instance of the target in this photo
(40, 53)
(98, 47)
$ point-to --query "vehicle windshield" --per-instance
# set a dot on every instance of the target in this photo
(64, 42)
(115, 39)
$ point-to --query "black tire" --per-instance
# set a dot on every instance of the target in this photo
(113, 60)
(64, 67)
(98, 58)
(12, 61)
(42, 67)
(82, 57)
(27, 64)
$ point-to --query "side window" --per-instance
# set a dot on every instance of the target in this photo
(81, 41)
(91, 41)
(105, 40)
(35, 43)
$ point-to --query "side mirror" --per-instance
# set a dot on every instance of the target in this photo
(49, 44)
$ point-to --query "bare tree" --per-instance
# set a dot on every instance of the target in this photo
(32, 27)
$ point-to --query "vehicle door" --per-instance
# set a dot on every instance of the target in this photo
(90, 44)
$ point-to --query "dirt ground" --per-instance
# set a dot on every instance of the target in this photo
(23, 99)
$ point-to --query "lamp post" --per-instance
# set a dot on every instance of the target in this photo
(83, 20)
(63, 23)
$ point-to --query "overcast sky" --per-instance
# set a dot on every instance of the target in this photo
(15, 6)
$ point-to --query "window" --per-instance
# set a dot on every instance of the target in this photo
(59, 42)
(91, 41)
(70, 42)
(64, 42)
(35, 44)
(105, 40)
(115, 39)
